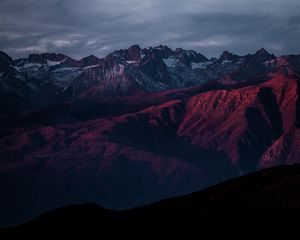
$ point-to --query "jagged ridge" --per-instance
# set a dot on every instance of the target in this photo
(43, 80)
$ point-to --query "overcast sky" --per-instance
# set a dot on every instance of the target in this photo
(84, 27)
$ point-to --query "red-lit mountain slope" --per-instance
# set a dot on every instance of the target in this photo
(175, 146)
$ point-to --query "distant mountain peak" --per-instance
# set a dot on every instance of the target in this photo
(226, 55)
(5, 60)
(90, 60)
(134, 53)
(134, 47)
(161, 47)
(92, 56)
(3, 55)
(262, 51)
(42, 58)
(264, 55)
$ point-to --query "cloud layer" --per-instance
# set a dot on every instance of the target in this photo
(83, 27)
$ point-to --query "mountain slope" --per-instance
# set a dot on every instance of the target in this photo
(139, 125)
(171, 148)
(267, 201)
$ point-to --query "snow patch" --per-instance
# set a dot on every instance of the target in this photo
(170, 62)
(19, 77)
(32, 65)
(116, 54)
(119, 69)
(241, 60)
(66, 69)
(1, 74)
(226, 62)
(33, 70)
(131, 62)
(63, 77)
(16, 68)
(191, 53)
(142, 55)
(65, 88)
(52, 63)
(91, 66)
(201, 65)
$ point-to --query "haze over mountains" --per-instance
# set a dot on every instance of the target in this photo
(139, 125)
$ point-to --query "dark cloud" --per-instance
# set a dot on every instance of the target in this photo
(83, 27)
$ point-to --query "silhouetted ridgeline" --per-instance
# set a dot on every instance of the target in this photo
(268, 200)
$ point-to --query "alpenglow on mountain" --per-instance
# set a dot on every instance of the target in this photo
(139, 125)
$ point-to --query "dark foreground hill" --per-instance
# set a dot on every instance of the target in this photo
(268, 200)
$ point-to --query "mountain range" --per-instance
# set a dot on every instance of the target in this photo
(42, 80)
(139, 125)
